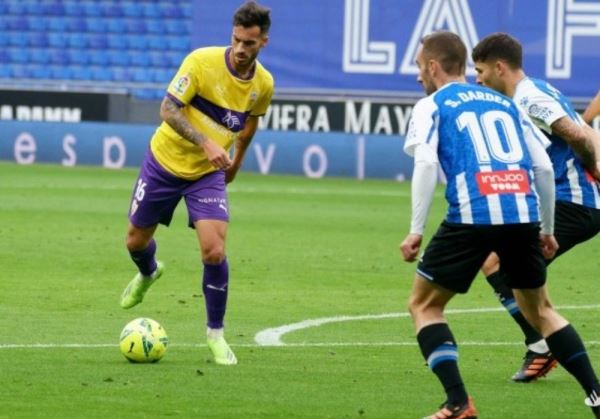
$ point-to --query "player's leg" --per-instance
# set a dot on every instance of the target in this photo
(208, 211)
(142, 249)
(438, 346)
(521, 258)
(448, 266)
(215, 282)
(563, 340)
(538, 360)
(491, 270)
(215, 279)
(155, 196)
(574, 224)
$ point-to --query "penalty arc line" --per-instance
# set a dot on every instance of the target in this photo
(272, 336)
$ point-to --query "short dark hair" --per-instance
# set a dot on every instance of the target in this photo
(499, 46)
(448, 49)
(252, 14)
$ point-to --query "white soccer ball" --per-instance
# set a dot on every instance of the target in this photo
(143, 340)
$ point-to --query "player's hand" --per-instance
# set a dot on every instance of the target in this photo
(410, 247)
(549, 245)
(230, 172)
(217, 156)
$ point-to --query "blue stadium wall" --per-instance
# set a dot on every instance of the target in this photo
(371, 44)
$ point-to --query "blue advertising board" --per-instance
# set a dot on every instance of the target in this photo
(310, 154)
(370, 45)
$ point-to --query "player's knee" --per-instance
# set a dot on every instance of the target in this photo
(534, 317)
(135, 242)
(491, 265)
(539, 316)
(214, 255)
(415, 306)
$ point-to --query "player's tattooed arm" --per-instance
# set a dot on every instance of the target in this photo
(172, 115)
(580, 140)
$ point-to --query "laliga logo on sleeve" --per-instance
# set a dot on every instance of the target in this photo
(181, 85)
(503, 181)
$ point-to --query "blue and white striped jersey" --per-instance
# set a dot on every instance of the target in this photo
(487, 148)
(544, 105)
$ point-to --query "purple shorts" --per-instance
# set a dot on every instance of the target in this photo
(157, 193)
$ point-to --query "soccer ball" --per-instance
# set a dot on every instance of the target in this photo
(143, 340)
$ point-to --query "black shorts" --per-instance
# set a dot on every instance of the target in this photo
(456, 252)
(574, 224)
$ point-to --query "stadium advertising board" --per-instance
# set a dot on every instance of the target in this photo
(310, 154)
(370, 45)
(18, 105)
(350, 116)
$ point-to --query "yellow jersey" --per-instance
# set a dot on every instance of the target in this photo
(217, 103)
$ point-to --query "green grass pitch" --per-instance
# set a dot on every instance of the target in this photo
(298, 249)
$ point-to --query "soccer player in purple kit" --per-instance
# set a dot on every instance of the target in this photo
(500, 190)
(213, 103)
(498, 62)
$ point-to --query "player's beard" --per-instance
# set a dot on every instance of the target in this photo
(245, 60)
(429, 87)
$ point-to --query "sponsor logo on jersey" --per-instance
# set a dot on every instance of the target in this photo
(503, 182)
(231, 120)
(539, 112)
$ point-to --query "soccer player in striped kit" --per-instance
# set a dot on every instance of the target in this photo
(213, 102)
(498, 62)
(493, 158)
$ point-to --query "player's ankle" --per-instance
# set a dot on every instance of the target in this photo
(214, 333)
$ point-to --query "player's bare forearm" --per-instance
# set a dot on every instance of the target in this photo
(593, 110)
(241, 145)
(172, 115)
(244, 139)
(595, 136)
(579, 140)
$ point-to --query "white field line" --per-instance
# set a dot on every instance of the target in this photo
(272, 337)
(255, 345)
(244, 189)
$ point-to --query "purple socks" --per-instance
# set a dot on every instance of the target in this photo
(214, 286)
(144, 259)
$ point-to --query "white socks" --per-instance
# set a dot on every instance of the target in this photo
(539, 347)
(214, 333)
